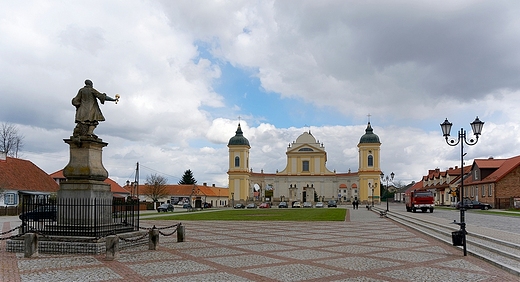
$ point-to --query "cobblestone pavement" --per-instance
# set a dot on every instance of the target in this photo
(363, 248)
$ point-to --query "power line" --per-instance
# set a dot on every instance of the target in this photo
(169, 175)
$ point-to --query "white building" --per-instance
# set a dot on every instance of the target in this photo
(305, 177)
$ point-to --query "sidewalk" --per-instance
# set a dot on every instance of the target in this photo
(472, 228)
(364, 248)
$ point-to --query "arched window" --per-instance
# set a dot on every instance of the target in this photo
(370, 160)
(237, 161)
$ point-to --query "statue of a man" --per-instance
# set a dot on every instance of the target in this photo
(88, 114)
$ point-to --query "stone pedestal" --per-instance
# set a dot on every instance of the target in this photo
(85, 161)
(84, 199)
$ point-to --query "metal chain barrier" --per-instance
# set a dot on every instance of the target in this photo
(64, 239)
(167, 227)
(168, 234)
(12, 236)
(176, 226)
(135, 239)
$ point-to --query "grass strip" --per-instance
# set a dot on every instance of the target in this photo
(326, 214)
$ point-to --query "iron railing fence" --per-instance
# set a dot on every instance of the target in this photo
(79, 217)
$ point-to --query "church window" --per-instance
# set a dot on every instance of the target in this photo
(305, 165)
(237, 161)
(370, 160)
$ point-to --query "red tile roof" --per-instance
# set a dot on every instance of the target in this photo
(18, 174)
(416, 186)
(489, 163)
(187, 190)
(505, 166)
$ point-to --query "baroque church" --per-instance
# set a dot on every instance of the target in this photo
(305, 177)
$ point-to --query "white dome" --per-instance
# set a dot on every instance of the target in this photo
(306, 137)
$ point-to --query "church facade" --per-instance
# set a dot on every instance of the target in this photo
(306, 177)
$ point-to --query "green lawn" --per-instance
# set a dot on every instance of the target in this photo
(325, 214)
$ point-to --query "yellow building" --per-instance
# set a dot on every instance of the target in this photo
(305, 177)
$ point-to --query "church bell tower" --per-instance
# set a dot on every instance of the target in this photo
(369, 167)
(238, 172)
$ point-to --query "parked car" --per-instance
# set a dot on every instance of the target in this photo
(239, 206)
(187, 206)
(319, 205)
(251, 206)
(468, 204)
(332, 204)
(165, 208)
(296, 205)
(207, 205)
(307, 204)
(264, 206)
(283, 205)
(40, 213)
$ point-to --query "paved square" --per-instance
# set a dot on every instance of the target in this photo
(367, 248)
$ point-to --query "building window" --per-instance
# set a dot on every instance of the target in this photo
(472, 191)
(483, 191)
(344, 191)
(10, 199)
(370, 160)
(237, 161)
(305, 165)
(490, 190)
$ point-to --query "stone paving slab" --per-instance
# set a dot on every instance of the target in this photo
(363, 248)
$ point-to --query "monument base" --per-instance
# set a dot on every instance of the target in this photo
(78, 245)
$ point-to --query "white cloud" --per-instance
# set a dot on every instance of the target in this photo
(409, 65)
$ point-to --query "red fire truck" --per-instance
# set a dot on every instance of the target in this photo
(419, 200)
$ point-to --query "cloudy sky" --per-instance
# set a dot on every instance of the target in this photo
(187, 70)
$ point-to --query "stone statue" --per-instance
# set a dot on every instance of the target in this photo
(88, 114)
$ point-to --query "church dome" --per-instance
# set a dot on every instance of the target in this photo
(306, 137)
(369, 136)
(239, 138)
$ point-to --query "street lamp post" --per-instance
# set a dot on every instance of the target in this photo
(476, 126)
(387, 178)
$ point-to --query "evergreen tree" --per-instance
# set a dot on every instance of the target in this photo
(187, 178)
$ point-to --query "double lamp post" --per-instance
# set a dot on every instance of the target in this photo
(387, 179)
(476, 126)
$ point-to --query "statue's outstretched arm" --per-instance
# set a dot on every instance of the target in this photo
(108, 98)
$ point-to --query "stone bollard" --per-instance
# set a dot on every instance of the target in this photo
(180, 233)
(31, 245)
(153, 239)
(112, 247)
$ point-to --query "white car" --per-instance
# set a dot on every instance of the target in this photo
(319, 205)
(307, 205)
(296, 205)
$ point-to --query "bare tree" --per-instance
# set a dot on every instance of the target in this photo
(10, 141)
(155, 187)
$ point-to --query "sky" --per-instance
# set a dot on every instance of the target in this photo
(189, 71)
